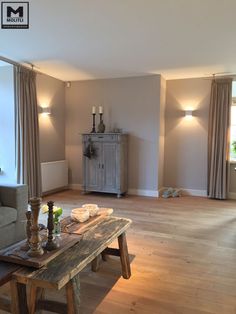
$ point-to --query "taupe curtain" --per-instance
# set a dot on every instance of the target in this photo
(218, 138)
(27, 131)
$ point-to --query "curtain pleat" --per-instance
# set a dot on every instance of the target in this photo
(219, 138)
(27, 131)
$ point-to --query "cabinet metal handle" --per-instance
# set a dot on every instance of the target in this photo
(102, 166)
(100, 137)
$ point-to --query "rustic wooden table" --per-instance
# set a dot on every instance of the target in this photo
(6, 271)
(64, 270)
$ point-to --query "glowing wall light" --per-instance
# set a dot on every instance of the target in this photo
(188, 114)
(46, 110)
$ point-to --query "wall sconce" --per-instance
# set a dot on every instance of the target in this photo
(46, 110)
(188, 114)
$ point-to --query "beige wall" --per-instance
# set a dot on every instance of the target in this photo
(232, 186)
(186, 140)
(151, 110)
(51, 93)
(161, 133)
(129, 103)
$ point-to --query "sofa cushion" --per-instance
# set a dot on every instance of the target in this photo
(7, 215)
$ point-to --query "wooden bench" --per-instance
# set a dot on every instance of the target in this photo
(6, 272)
(64, 270)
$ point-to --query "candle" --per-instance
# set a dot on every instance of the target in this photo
(100, 109)
(93, 110)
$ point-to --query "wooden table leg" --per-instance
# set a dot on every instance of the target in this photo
(73, 295)
(35, 294)
(18, 298)
(124, 256)
(40, 297)
(96, 263)
(104, 256)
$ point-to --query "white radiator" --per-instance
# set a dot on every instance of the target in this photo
(54, 175)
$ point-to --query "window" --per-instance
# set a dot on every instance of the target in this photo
(233, 132)
(233, 125)
(7, 124)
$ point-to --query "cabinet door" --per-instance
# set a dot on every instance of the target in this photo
(93, 170)
(109, 167)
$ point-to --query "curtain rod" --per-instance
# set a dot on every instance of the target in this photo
(17, 63)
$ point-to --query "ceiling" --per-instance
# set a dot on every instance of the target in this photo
(87, 39)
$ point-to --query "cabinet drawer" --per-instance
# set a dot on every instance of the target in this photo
(101, 137)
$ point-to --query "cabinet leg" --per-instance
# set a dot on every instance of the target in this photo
(119, 195)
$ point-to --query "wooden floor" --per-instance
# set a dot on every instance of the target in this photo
(183, 254)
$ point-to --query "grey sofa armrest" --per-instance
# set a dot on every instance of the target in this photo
(15, 196)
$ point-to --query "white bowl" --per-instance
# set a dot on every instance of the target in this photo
(79, 214)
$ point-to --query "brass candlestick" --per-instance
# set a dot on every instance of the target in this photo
(51, 243)
(26, 246)
(35, 240)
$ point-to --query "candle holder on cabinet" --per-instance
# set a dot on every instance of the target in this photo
(93, 128)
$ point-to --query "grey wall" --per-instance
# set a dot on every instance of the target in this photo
(186, 140)
(129, 103)
(51, 93)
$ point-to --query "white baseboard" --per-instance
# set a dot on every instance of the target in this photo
(55, 190)
(194, 192)
(75, 186)
(191, 192)
(232, 195)
(153, 193)
(139, 192)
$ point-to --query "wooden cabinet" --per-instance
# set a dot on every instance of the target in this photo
(105, 162)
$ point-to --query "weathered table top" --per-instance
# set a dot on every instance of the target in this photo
(67, 265)
(14, 253)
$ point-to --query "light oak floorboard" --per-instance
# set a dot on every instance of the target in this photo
(182, 251)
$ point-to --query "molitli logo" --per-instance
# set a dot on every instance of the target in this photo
(15, 14)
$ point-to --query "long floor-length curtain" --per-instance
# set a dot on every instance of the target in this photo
(27, 131)
(218, 138)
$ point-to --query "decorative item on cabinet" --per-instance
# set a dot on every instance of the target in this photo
(93, 114)
(89, 150)
(101, 126)
(107, 171)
